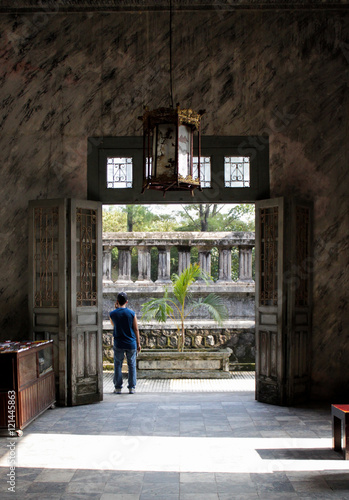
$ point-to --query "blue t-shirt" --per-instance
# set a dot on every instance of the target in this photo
(124, 335)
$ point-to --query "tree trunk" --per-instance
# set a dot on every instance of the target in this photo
(130, 219)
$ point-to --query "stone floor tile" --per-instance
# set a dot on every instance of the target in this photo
(239, 496)
(316, 485)
(86, 487)
(334, 495)
(161, 477)
(275, 487)
(27, 474)
(124, 485)
(116, 475)
(119, 496)
(49, 487)
(166, 496)
(91, 476)
(199, 496)
(32, 496)
(158, 489)
(339, 484)
(198, 487)
(237, 488)
(21, 487)
(197, 477)
(78, 496)
(236, 477)
(54, 476)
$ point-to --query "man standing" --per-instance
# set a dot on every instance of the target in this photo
(126, 341)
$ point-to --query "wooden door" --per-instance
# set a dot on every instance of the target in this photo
(270, 335)
(47, 292)
(65, 293)
(85, 303)
(298, 283)
(283, 301)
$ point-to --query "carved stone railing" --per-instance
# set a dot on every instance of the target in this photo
(184, 241)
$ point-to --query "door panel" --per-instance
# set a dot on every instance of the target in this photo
(86, 302)
(283, 300)
(299, 287)
(270, 339)
(47, 283)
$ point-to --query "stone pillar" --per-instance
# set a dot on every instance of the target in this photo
(144, 265)
(107, 264)
(164, 268)
(124, 264)
(224, 273)
(245, 264)
(183, 259)
(205, 259)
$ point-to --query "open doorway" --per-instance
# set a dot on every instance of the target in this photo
(226, 229)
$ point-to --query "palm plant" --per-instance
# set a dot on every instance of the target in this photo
(178, 304)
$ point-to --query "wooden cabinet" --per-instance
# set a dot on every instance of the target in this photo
(26, 378)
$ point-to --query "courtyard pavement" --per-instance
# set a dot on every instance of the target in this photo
(177, 441)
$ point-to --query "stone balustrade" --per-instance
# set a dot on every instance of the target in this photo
(184, 241)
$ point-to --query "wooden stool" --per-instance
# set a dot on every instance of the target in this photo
(340, 413)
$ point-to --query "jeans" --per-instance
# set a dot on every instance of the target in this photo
(131, 355)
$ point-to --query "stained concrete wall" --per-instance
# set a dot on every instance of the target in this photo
(65, 77)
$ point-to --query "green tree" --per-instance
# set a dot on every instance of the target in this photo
(136, 218)
(141, 218)
(178, 304)
(114, 219)
(213, 217)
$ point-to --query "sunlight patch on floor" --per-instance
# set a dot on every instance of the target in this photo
(180, 454)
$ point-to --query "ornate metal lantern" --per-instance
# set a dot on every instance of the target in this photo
(168, 136)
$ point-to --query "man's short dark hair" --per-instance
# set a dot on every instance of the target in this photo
(122, 298)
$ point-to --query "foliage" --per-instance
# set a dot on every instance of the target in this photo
(196, 217)
(136, 218)
(114, 220)
(178, 304)
(209, 217)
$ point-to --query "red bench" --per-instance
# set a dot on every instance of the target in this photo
(340, 413)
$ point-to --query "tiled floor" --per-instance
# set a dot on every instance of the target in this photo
(239, 381)
(177, 446)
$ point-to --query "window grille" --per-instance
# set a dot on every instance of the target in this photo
(205, 170)
(237, 171)
(119, 173)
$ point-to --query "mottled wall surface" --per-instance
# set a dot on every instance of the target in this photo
(65, 77)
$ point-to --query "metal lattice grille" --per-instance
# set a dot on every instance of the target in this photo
(237, 171)
(205, 170)
(46, 257)
(269, 256)
(86, 249)
(119, 173)
(302, 256)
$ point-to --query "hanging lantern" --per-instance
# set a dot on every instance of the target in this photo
(168, 136)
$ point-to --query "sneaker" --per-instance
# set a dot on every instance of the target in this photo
(132, 391)
(117, 391)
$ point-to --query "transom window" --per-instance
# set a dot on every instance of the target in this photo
(237, 171)
(205, 170)
(119, 173)
(232, 170)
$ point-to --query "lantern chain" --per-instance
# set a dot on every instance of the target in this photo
(171, 81)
